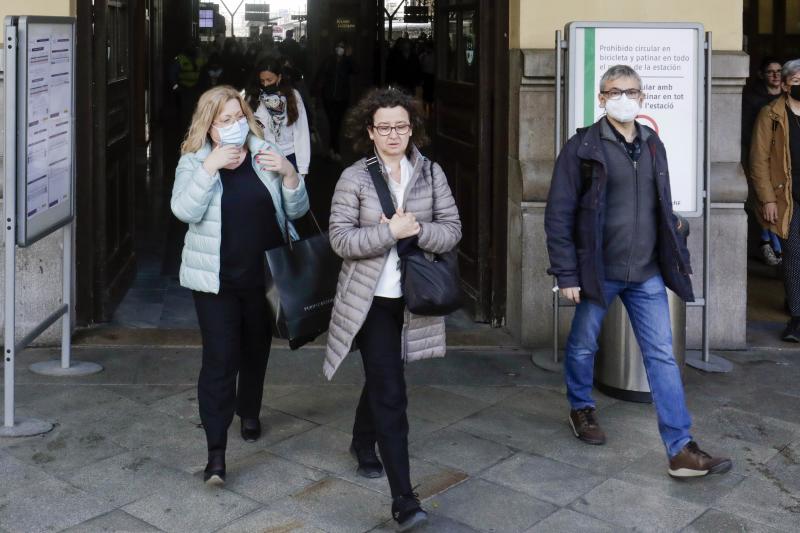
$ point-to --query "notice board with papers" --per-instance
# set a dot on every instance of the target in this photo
(669, 57)
(44, 79)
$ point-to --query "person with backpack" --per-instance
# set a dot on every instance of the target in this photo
(611, 232)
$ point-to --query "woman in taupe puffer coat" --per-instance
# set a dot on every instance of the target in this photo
(369, 307)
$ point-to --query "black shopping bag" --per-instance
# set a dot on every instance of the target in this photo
(301, 282)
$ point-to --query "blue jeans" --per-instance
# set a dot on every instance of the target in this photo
(649, 314)
(768, 236)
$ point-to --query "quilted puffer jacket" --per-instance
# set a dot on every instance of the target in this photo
(197, 200)
(364, 243)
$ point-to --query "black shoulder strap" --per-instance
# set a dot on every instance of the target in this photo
(385, 197)
(587, 166)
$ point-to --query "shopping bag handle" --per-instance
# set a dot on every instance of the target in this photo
(287, 238)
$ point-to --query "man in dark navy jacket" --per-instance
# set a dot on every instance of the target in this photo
(611, 232)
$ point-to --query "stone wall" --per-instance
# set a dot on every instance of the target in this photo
(531, 140)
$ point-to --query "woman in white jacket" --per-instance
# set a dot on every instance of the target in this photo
(280, 111)
(222, 261)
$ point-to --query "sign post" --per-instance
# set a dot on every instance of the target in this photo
(39, 182)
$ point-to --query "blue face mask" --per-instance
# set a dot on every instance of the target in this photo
(235, 134)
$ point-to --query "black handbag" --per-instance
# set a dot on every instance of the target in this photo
(430, 287)
(301, 279)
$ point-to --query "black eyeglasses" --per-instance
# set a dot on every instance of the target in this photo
(616, 94)
(384, 130)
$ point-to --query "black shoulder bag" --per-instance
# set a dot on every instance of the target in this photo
(430, 287)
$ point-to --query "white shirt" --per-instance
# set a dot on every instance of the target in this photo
(294, 139)
(389, 283)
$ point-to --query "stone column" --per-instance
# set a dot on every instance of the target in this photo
(531, 139)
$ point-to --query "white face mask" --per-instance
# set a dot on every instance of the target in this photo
(623, 109)
(339, 51)
(235, 134)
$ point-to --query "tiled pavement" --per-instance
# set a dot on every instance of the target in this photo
(490, 451)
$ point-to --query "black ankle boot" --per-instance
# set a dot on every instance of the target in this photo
(368, 463)
(792, 331)
(407, 512)
(251, 429)
(214, 474)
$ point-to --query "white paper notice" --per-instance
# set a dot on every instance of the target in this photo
(49, 120)
(667, 61)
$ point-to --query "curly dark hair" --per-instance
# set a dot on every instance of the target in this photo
(362, 116)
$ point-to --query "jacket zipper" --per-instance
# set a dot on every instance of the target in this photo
(635, 209)
(635, 216)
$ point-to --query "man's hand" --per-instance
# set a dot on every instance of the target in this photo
(573, 294)
(770, 212)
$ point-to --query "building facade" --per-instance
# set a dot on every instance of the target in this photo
(494, 135)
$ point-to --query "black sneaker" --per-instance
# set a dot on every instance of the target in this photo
(407, 512)
(792, 331)
(214, 474)
(368, 463)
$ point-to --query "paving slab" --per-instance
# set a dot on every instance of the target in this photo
(627, 505)
(490, 394)
(126, 478)
(334, 505)
(65, 449)
(767, 502)
(436, 524)
(148, 394)
(784, 467)
(650, 473)
(713, 521)
(17, 474)
(438, 405)
(460, 450)
(50, 505)
(549, 402)
(319, 408)
(568, 521)
(269, 521)
(489, 507)
(748, 458)
(747, 426)
(428, 479)
(605, 460)
(543, 478)
(323, 448)
(418, 428)
(510, 427)
(190, 506)
(266, 478)
(114, 522)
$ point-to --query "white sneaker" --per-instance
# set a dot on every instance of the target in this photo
(769, 255)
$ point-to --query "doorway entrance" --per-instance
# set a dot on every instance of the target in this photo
(128, 236)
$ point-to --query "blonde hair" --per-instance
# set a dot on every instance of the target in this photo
(208, 108)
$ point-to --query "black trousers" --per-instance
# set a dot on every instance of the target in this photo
(235, 327)
(791, 263)
(381, 413)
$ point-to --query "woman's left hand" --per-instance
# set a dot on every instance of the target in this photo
(275, 162)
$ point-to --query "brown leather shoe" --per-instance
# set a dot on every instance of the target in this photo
(691, 461)
(584, 425)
